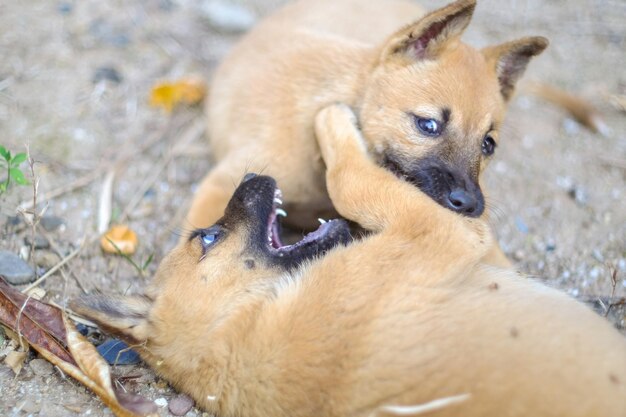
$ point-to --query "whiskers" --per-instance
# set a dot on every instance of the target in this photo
(495, 213)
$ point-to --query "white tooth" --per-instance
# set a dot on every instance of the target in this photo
(322, 221)
(281, 212)
(278, 201)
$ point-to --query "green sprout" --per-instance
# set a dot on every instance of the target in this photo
(14, 173)
(142, 267)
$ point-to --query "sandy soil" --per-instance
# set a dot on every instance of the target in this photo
(556, 190)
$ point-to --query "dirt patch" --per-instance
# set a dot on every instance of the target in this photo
(74, 83)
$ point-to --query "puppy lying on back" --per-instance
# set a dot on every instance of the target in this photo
(406, 320)
(429, 105)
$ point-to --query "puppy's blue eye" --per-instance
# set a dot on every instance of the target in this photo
(429, 127)
(208, 239)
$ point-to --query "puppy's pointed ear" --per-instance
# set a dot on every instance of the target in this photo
(510, 60)
(125, 317)
(427, 37)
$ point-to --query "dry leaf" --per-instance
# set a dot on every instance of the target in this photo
(15, 360)
(119, 239)
(188, 90)
(56, 339)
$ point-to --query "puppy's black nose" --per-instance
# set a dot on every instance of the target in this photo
(463, 202)
(248, 176)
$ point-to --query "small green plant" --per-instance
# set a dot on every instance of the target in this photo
(14, 173)
(141, 267)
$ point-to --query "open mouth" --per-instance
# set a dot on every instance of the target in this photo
(328, 235)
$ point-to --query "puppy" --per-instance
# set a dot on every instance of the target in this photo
(404, 321)
(430, 106)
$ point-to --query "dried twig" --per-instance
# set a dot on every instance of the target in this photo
(67, 188)
(190, 134)
(55, 247)
(56, 267)
(613, 275)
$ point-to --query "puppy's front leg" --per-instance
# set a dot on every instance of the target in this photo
(374, 197)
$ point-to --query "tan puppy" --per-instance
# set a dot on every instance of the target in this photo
(404, 321)
(430, 106)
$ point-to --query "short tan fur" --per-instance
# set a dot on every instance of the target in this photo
(396, 320)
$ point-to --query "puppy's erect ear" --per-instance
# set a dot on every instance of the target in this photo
(125, 317)
(510, 60)
(427, 37)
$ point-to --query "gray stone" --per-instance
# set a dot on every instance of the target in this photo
(40, 242)
(41, 367)
(227, 17)
(51, 223)
(14, 269)
(47, 259)
(180, 405)
(107, 74)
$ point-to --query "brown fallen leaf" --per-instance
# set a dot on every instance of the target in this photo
(119, 239)
(52, 334)
(189, 90)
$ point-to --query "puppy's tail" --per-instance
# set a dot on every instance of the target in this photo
(578, 108)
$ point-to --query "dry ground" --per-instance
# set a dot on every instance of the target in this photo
(557, 190)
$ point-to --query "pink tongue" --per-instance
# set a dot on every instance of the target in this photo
(276, 243)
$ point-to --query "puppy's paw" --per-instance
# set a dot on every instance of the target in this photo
(338, 134)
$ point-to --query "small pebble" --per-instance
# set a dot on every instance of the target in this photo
(226, 16)
(65, 7)
(108, 74)
(521, 226)
(47, 259)
(40, 242)
(180, 405)
(578, 195)
(565, 183)
(13, 221)
(598, 255)
(571, 127)
(160, 402)
(51, 223)
(116, 352)
(41, 367)
(105, 32)
(14, 269)
(24, 253)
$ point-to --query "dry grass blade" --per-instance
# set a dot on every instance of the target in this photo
(190, 134)
(105, 202)
(56, 267)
